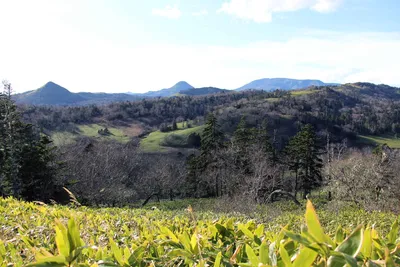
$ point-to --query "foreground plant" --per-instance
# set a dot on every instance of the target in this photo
(121, 237)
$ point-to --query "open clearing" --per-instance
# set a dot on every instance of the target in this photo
(120, 134)
(153, 142)
(391, 141)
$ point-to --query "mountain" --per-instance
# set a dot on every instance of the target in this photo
(203, 91)
(180, 86)
(269, 84)
(49, 94)
(54, 94)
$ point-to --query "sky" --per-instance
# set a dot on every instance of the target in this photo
(137, 46)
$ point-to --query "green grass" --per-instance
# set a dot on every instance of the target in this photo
(302, 92)
(90, 130)
(391, 141)
(153, 142)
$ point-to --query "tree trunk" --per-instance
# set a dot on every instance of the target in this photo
(149, 197)
(284, 193)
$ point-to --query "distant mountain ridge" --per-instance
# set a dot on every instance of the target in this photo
(269, 84)
(54, 94)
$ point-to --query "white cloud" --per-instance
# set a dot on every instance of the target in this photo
(93, 65)
(262, 10)
(171, 12)
(202, 12)
(326, 5)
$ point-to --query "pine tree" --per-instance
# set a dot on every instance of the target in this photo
(303, 150)
(243, 136)
(212, 141)
(212, 138)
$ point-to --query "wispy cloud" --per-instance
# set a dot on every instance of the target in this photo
(171, 12)
(261, 10)
(202, 12)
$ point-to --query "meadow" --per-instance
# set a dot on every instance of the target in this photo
(158, 141)
(36, 234)
(391, 141)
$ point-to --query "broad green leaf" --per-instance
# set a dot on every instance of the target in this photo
(50, 261)
(193, 243)
(117, 253)
(245, 231)
(285, 257)
(394, 230)
(180, 253)
(252, 256)
(352, 244)
(62, 240)
(339, 235)
(367, 244)
(166, 231)
(73, 235)
(185, 241)
(305, 258)
(340, 259)
(314, 227)
(264, 253)
(136, 256)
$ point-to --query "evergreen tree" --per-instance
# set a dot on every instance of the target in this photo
(243, 136)
(212, 141)
(267, 144)
(242, 141)
(27, 168)
(303, 150)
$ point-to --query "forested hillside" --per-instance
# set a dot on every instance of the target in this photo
(347, 110)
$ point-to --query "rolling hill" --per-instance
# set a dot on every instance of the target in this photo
(269, 84)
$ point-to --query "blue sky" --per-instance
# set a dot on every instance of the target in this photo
(131, 45)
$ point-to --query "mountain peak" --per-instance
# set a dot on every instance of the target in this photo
(51, 87)
(182, 84)
(49, 94)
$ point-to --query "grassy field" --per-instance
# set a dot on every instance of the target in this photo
(43, 235)
(153, 142)
(391, 141)
(122, 134)
(303, 92)
(91, 130)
